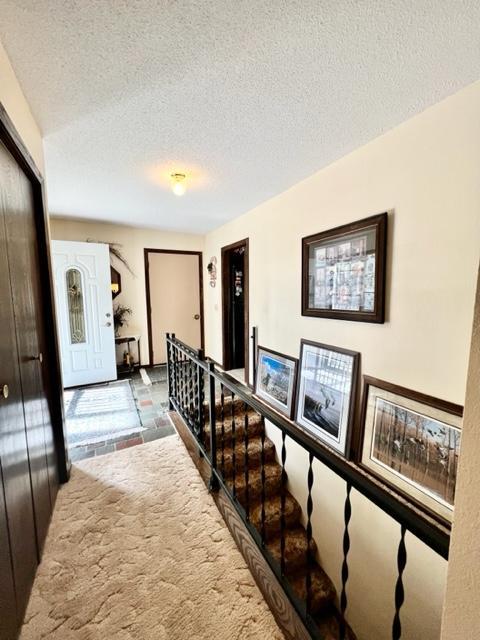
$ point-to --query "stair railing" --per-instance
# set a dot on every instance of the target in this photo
(188, 375)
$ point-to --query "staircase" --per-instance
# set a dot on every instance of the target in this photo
(229, 458)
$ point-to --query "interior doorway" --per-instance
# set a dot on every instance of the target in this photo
(235, 303)
(174, 288)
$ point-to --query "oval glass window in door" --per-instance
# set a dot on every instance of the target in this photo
(76, 313)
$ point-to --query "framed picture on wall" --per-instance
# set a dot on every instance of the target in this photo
(411, 441)
(343, 271)
(326, 391)
(276, 379)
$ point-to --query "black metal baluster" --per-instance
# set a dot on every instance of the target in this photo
(262, 462)
(347, 513)
(175, 373)
(191, 397)
(195, 419)
(169, 371)
(200, 385)
(399, 590)
(174, 360)
(179, 380)
(309, 534)
(184, 387)
(234, 442)
(214, 484)
(190, 392)
(283, 496)
(245, 427)
(222, 417)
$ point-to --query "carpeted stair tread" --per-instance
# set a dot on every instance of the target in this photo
(254, 455)
(295, 549)
(273, 511)
(329, 628)
(255, 428)
(273, 479)
(322, 590)
(238, 408)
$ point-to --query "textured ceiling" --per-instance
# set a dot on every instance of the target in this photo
(247, 97)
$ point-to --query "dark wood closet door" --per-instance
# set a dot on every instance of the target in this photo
(23, 265)
(8, 619)
(13, 441)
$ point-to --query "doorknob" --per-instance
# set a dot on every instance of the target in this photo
(196, 316)
(5, 391)
(39, 357)
(108, 324)
(108, 315)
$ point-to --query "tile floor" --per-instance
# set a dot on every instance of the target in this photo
(152, 406)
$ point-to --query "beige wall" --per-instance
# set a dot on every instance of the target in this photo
(134, 241)
(14, 102)
(462, 601)
(426, 172)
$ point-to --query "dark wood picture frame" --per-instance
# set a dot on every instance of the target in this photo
(408, 394)
(288, 413)
(355, 355)
(115, 279)
(377, 222)
(199, 254)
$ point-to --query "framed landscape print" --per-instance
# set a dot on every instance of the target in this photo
(343, 271)
(275, 380)
(412, 441)
(326, 389)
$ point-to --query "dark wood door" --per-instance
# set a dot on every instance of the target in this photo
(13, 440)
(8, 620)
(235, 306)
(22, 254)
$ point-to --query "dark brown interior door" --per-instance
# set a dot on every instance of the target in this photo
(27, 304)
(235, 306)
(13, 440)
(8, 620)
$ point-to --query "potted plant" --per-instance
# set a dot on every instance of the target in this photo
(120, 317)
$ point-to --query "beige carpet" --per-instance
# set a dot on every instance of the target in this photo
(138, 549)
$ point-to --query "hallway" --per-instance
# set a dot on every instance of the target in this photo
(138, 550)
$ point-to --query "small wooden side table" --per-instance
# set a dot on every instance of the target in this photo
(129, 362)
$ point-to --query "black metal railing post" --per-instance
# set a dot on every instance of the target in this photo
(170, 349)
(213, 484)
(200, 393)
(175, 368)
(347, 514)
(399, 589)
(254, 339)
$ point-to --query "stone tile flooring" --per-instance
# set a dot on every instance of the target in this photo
(152, 406)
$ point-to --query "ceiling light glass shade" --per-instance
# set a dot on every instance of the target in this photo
(178, 184)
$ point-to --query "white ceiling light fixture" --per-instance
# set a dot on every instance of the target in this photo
(178, 183)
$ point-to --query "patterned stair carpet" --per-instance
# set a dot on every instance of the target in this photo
(138, 550)
(282, 516)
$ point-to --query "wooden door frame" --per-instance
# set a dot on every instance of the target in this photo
(226, 309)
(146, 251)
(10, 137)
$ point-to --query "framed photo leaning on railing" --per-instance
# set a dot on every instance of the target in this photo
(411, 442)
(326, 392)
(275, 381)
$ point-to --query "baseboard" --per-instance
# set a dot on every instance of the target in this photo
(285, 615)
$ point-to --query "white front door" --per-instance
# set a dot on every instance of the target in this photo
(84, 312)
